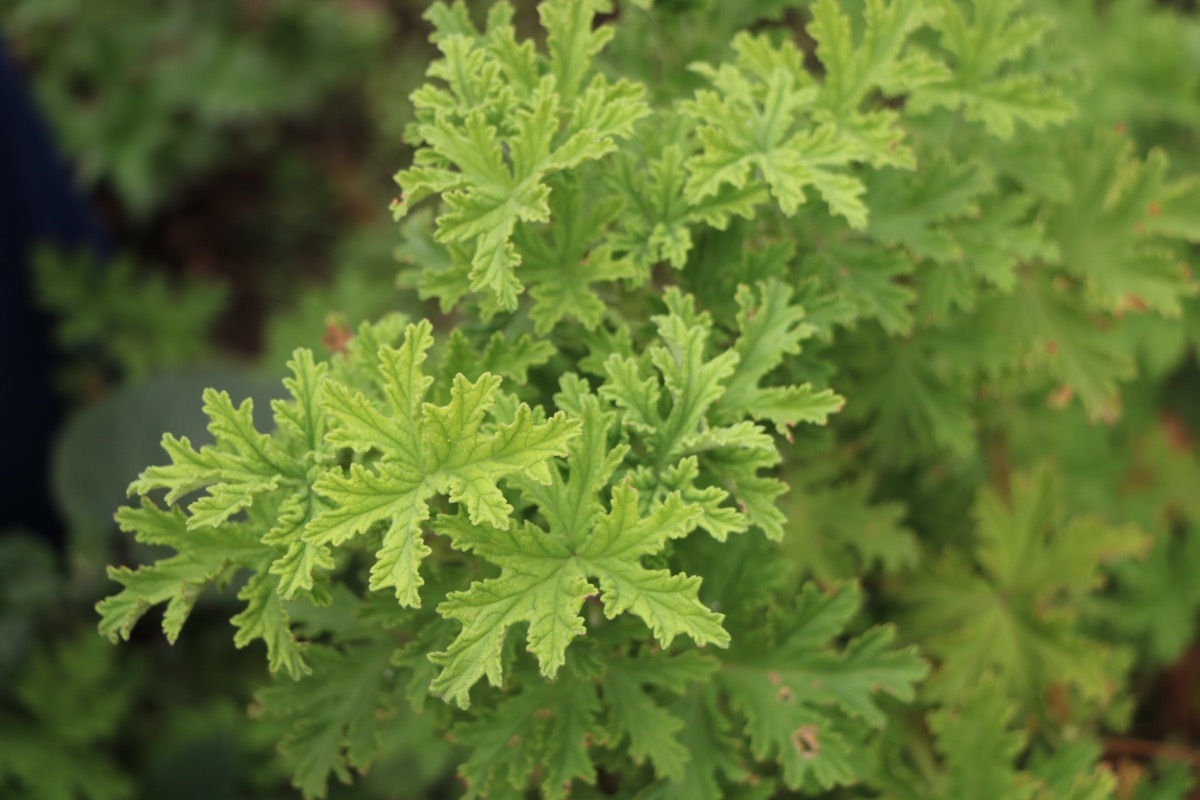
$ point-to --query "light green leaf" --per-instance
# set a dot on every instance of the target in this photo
(573, 41)
(203, 557)
(266, 618)
(544, 573)
(490, 160)
(302, 421)
(240, 467)
(853, 69)
(760, 123)
(424, 450)
(770, 328)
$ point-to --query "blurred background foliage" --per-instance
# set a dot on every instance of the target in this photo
(240, 153)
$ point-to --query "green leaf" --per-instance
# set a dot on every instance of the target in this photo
(859, 67)
(333, 716)
(634, 713)
(1018, 615)
(759, 123)
(202, 558)
(981, 750)
(1074, 771)
(490, 163)
(873, 280)
(1042, 325)
(1157, 598)
(424, 450)
(990, 244)
(1102, 235)
(1173, 782)
(563, 264)
(541, 732)
(769, 330)
(911, 207)
(693, 383)
(127, 312)
(835, 531)
(783, 687)
(544, 572)
(654, 223)
(358, 365)
(1178, 209)
(707, 738)
(912, 404)
(980, 747)
(986, 54)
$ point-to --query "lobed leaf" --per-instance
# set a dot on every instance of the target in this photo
(544, 577)
(424, 450)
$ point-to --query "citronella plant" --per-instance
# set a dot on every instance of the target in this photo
(611, 531)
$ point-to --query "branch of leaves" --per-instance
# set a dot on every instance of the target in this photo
(258, 499)
(490, 161)
(283, 505)
(695, 418)
(275, 504)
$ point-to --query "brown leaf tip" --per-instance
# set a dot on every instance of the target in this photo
(806, 742)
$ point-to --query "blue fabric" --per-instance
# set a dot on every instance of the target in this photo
(39, 204)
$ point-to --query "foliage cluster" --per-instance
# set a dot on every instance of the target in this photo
(809, 414)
